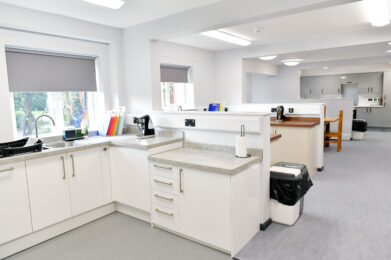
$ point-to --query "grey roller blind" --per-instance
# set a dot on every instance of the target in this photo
(174, 74)
(32, 71)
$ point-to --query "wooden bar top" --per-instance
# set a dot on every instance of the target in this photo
(274, 137)
(296, 121)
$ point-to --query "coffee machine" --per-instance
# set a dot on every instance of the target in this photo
(280, 113)
(144, 124)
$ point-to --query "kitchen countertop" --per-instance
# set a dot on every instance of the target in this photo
(207, 160)
(130, 141)
(296, 121)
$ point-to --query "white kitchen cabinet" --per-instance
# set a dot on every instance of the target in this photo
(370, 83)
(86, 180)
(49, 193)
(349, 79)
(15, 218)
(296, 145)
(217, 209)
(204, 206)
(130, 177)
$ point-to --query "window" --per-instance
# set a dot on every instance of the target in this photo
(176, 87)
(62, 86)
(69, 109)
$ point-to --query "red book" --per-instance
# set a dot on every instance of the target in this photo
(111, 124)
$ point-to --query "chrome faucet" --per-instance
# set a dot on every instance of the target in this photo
(36, 123)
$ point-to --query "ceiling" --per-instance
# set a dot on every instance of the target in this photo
(328, 56)
(332, 20)
(132, 13)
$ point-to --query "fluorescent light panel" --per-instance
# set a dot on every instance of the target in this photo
(292, 62)
(378, 12)
(112, 4)
(222, 36)
(270, 57)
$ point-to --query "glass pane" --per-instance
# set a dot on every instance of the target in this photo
(180, 94)
(28, 106)
(69, 109)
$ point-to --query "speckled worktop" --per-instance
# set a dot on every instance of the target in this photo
(215, 161)
(117, 141)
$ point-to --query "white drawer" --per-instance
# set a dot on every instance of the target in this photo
(164, 184)
(165, 199)
(164, 170)
(165, 217)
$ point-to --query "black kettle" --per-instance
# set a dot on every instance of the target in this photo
(280, 113)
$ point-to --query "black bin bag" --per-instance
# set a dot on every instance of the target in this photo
(286, 187)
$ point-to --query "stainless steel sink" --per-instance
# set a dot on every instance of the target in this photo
(61, 144)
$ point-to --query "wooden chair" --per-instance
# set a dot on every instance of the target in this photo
(335, 137)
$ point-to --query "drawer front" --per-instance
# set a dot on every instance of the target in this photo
(165, 217)
(165, 199)
(164, 184)
(164, 170)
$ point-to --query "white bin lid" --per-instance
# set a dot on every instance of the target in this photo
(291, 171)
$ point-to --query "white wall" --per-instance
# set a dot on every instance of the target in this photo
(31, 29)
(202, 63)
(284, 86)
(139, 52)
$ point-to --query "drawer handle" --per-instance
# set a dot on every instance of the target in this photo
(165, 213)
(180, 181)
(8, 169)
(163, 182)
(162, 197)
(162, 167)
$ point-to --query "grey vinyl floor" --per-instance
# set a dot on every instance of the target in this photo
(347, 215)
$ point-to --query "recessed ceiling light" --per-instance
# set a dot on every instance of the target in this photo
(388, 51)
(343, 77)
(292, 62)
(325, 68)
(389, 43)
(271, 57)
(112, 4)
(222, 36)
(377, 11)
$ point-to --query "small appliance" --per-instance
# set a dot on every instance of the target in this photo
(144, 124)
(280, 113)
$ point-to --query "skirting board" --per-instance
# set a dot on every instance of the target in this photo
(42, 235)
(192, 239)
(133, 212)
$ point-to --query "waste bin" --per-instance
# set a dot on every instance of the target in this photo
(289, 182)
(359, 128)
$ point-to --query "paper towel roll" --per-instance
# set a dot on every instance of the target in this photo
(240, 146)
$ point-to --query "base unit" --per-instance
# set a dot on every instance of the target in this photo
(216, 209)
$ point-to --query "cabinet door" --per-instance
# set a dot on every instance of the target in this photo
(129, 169)
(15, 219)
(86, 180)
(377, 83)
(49, 190)
(293, 145)
(364, 83)
(205, 207)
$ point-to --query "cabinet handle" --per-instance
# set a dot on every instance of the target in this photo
(64, 176)
(73, 166)
(162, 167)
(368, 90)
(163, 182)
(162, 197)
(180, 180)
(165, 213)
(7, 170)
